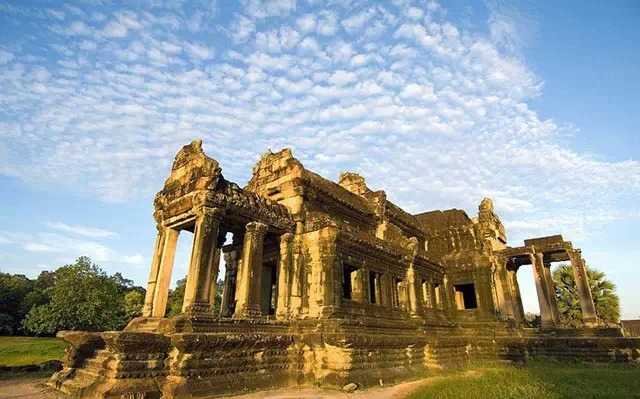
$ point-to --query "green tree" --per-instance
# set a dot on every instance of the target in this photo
(176, 296)
(13, 290)
(82, 297)
(605, 299)
(133, 303)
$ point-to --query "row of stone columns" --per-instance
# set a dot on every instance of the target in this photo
(203, 265)
(200, 290)
(241, 295)
(511, 302)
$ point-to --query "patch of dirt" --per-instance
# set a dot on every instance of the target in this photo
(25, 388)
(34, 388)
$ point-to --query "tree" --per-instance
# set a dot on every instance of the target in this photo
(82, 297)
(133, 303)
(605, 299)
(13, 290)
(176, 297)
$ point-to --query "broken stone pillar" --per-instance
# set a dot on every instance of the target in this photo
(589, 316)
(546, 316)
(155, 303)
(250, 280)
(551, 288)
(284, 275)
(228, 290)
(201, 267)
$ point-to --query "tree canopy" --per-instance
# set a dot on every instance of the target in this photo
(79, 296)
(605, 299)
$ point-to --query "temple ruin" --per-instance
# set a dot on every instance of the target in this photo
(325, 284)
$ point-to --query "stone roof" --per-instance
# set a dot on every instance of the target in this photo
(337, 192)
(443, 220)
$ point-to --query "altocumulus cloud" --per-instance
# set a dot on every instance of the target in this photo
(437, 115)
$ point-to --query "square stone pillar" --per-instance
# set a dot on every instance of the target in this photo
(412, 292)
(503, 293)
(551, 288)
(147, 308)
(514, 289)
(385, 290)
(215, 269)
(546, 316)
(229, 288)
(155, 304)
(359, 286)
(197, 290)
(589, 316)
(250, 280)
(284, 275)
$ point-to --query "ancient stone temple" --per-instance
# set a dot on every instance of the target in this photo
(325, 284)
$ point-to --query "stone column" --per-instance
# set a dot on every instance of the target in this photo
(228, 290)
(514, 288)
(551, 288)
(541, 288)
(502, 291)
(197, 290)
(250, 282)
(215, 268)
(412, 294)
(284, 275)
(378, 288)
(432, 293)
(589, 316)
(163, 277)
(153, 273)
(385, 290)
(358, 286)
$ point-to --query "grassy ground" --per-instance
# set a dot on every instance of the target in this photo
(22, 351)
(537, 380)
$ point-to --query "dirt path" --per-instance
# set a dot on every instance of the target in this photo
(25, 388)
(34, 388)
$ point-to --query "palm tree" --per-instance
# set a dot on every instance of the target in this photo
(605, 299)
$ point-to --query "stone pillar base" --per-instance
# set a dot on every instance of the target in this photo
(248, 312)
(591, 322)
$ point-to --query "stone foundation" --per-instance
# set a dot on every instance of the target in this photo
(239, 356)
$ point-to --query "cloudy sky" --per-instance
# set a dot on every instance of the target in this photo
(534, 105)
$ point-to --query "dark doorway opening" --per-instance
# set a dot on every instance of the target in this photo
(347, 287)
(465, 296)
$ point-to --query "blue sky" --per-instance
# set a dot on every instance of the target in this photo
(533, 104)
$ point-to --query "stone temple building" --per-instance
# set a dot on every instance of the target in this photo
(326, 284)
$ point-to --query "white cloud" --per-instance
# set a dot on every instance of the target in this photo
(307, 23)
(444, 110)
(5, 57)
(199, 51)
(341, 78)
(85, 231)
(114, 29)
(357, 21)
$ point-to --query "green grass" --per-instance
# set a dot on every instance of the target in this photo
(22, 351)
(547, 380)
